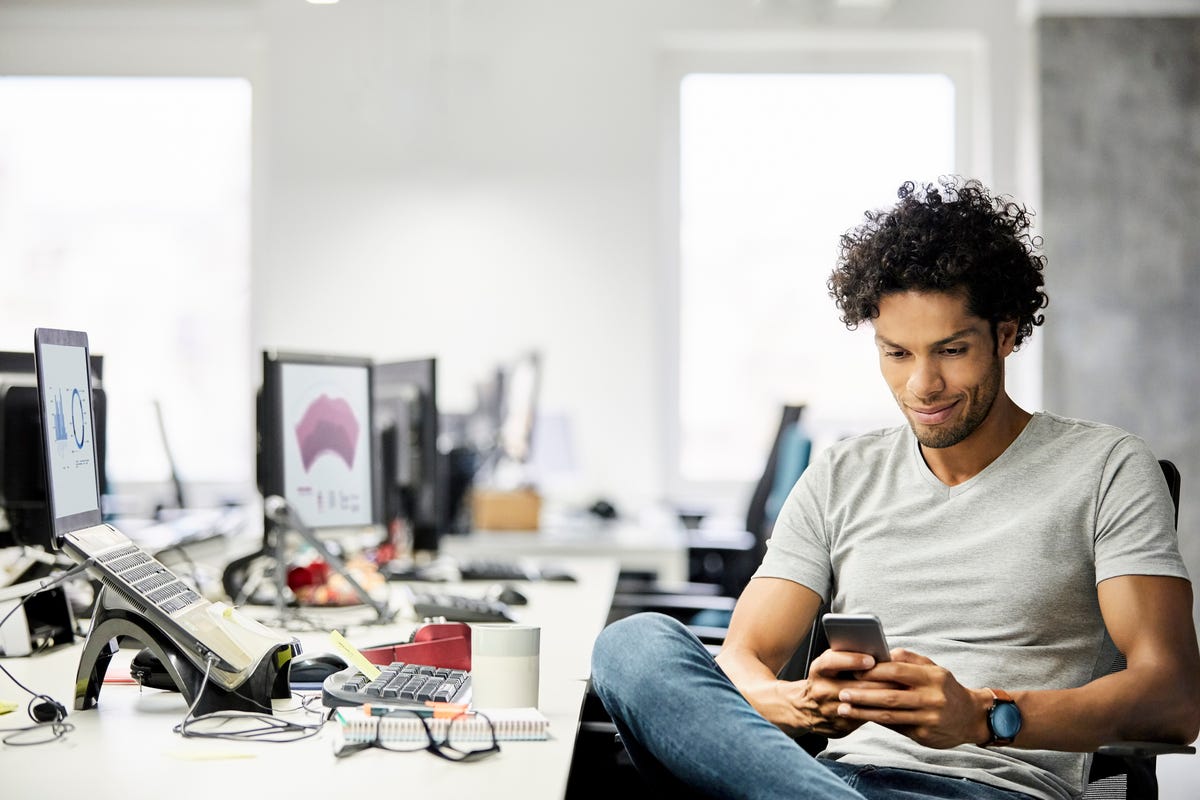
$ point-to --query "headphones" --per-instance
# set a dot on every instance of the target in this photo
(48, 710)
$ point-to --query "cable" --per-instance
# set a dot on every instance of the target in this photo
(58, 730)
(58, 727)
(48, 583)
(271, 729)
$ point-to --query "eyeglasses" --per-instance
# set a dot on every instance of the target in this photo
(466, 736)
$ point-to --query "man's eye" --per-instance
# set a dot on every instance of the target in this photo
(893, 353)
(954, 351)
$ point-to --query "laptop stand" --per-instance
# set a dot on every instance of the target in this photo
(113, 621)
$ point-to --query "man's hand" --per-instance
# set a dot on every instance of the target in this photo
(914, 696)
(829, 676)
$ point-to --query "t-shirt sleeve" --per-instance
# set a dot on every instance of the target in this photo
(798, 549)
(1135, 517)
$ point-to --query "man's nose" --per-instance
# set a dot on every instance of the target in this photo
(926, 379)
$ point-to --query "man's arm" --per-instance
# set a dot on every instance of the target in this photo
(1156, 697)
(770, 620)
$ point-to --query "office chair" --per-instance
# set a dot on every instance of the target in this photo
(1119, 770)
(720, 570)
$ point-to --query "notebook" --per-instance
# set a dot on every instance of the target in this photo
(135, 581)
(510, 724)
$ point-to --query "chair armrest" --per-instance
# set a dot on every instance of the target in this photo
(1144, 749)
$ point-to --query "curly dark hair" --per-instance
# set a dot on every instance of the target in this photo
(956, 238)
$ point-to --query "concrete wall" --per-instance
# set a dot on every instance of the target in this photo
(1120, 117)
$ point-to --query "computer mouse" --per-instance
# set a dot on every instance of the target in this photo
(603, 509)
(148, 670)
(316, 667)
(507, 594)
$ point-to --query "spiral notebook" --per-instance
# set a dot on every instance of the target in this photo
(511, 725)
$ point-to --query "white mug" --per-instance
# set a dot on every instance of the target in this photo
(505, 665)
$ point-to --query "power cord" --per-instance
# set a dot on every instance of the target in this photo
(48, 583)
(46, 712)
(266, 728)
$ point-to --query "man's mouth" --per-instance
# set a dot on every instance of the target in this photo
(933, 415)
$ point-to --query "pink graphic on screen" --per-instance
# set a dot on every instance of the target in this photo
(328, 426)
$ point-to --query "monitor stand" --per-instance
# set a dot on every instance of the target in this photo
(113, 622)
(278, 521)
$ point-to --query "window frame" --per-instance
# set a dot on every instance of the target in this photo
(960, 56)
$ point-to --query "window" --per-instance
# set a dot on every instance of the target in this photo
(126, 213)
(774, 166)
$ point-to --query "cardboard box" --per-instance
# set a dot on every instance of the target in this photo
(505, 511)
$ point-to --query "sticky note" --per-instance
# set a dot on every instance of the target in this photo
(353, 656)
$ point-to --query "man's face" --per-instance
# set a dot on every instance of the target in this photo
(940, 363)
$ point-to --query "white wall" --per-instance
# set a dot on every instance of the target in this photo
(472, 178)
(489, 174)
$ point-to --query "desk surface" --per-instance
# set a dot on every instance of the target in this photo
(126, 748)
(660, 550)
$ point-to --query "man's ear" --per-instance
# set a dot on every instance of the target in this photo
(1006, 337)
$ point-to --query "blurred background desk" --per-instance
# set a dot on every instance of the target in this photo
(126, 747)
(636, 548)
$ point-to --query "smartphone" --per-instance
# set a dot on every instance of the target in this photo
(857, 633)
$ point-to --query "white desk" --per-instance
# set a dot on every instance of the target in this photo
(661, 550)
(125, 748)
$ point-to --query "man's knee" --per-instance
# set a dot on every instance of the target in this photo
(632, 641)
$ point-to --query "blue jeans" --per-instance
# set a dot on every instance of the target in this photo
(687, 728)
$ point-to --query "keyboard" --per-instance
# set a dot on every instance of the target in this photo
(476, 569)
(495, 570)
(458, 608)
(399, 685)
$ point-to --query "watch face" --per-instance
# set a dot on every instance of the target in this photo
(1005, 720)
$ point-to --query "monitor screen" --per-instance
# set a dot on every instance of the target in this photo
(22, 458)
(315, 445)
(406, 421)
(65, 396)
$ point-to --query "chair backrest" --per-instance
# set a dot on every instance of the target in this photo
(1174, 481)
(757, 512)
(788, 458)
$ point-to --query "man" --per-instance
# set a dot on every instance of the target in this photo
(997, 546)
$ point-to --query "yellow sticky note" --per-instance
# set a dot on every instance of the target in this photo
(353, 656)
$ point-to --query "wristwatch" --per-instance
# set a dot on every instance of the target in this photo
(1003, 719)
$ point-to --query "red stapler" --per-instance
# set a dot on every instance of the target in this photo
(437, 644)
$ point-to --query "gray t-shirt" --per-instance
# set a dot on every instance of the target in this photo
(993, 579)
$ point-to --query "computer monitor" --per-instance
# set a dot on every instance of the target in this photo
(24, 517)
(315, 445)
(406, 421)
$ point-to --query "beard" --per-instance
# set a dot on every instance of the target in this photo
(979, 401)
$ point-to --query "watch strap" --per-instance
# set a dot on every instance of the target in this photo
(998, 696)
